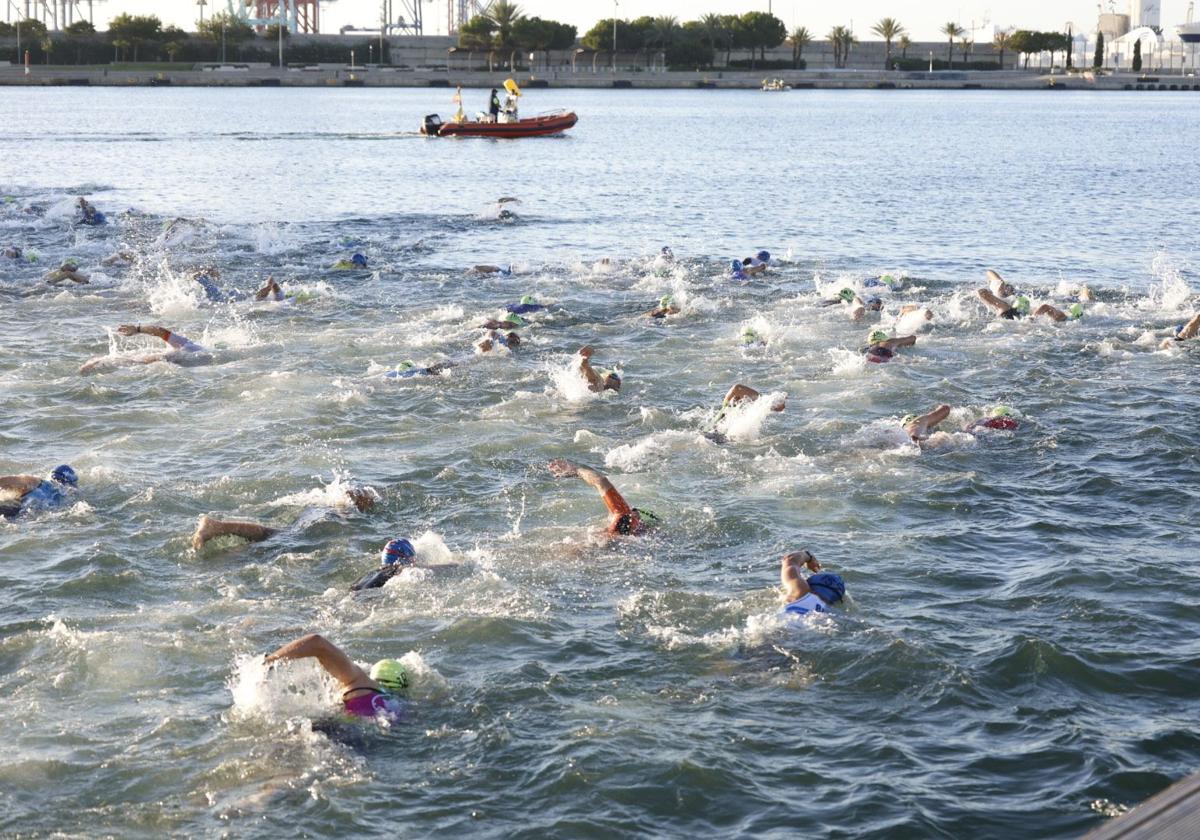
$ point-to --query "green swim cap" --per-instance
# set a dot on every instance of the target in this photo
(888, 279)
(406, 364)
(390, 674)
(1022, 304)
(514, 320)
(749, 334)
(877, 336)
(907, 418)
(846, 294)
(665, 301)
(528, 300)
(31, 256)
(1076, 311)
(1001, 411)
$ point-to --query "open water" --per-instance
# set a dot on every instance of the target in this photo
(1018, 655)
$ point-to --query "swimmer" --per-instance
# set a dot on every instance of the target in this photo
(666, 306)
(816, 594)
(860, 307)
(510, 322)
(753, 266)
(664, 261)
(882, 280)
(13, 252)
(120, 259)
(502, 270)
(270, 291)
(408, 370)
(494, 339)
(749, 337)
(736, 271)
(364, 695)
(737, 395)
(920, 427)
(91, 216)
(69, 270)
(527, 304)
(181, 349)
(396, 556)
(210, 528)
(357, 262)
(598, 381)
(623, 519)
(28, 493)
(1000, 419)
(1184, 331)
(997, 284)
(881, 349)
(206, 278)
(1020, 307)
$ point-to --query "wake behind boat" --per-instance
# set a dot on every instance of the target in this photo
(502, 121)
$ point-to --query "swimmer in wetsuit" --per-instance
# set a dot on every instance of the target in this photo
(396, 556)
(1184, 331)
(357, 262)
(666, 306)
(409, 370)
(28, 493)
(998, 289)
(816, 594)
(623, 519)
(494, 339)
(880, 348)
(921, 427)
(181, 349)
(597, 381)
(364, 695)
(502, 270)
(526, 305)
(69, 270)
(739, 394)
(509, 322)
(753, 266)
(210, 528)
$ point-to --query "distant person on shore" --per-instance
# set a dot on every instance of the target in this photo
(357, 262)
(210, 528)
(396, 556)
(880, 348)
(494, 106)
(364, 695)
(183, 350)
(89, 214)
(597, 380)
(27, 493)
(69, 270)
(623, 519)
(804, 596)
(1184, 331)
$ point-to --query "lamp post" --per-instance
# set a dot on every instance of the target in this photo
(201, 4)
(370, 54)
(222, 42)
(280, 35)
(614, 55)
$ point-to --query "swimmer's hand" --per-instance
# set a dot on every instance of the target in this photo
(562, 468)
(128, 329)
(586, 351)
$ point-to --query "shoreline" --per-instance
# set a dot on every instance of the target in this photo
(324, 76)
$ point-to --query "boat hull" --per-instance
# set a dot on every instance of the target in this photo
(534, 127)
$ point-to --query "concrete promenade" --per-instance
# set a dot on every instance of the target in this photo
(252, 75)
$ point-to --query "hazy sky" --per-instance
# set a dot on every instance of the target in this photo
(922, 19)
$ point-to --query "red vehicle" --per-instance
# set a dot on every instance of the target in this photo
(543, 125)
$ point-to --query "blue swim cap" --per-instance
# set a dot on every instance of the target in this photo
(1179, 329)
(359, 259)
(827, 586)
(397, 551)
(63, 474)
(874, 301)
(736, 265)
(765, 256)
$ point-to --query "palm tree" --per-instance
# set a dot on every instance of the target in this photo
(714, 31)
(835, 39)
(503, 15)
(951, 30)
(799, 39)
(964, 47)
(848, 40)
(887, 29)
(1000, 44)
(905, 42)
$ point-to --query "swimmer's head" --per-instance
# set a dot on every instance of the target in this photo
(407, 364)
(749, 335)
(512, 321)
(390, 674)
(665, 302)
(887, 279)
(877, 336)
(511, 339)
(70, 264)
(1021, 304)
(1076, 311)
(830, 588)
(359, 260)
(528, 300)
(667, 252)
(625, 523)
(399, 551)
(735, 265)
(763, 256)
(63, 474)
(611, 381)
(874, 304)
(907, 418)
(846, 294)
(1001, 411)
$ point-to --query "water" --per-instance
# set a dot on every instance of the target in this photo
(1018, 654)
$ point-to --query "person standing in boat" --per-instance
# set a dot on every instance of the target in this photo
(509, 112)
(494, 106)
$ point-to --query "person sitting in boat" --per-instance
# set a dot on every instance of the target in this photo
(494, 107)
(508, 114)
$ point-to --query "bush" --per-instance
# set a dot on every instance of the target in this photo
(769, 64)
(912, 64)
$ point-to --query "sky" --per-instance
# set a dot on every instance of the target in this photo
(923, 20)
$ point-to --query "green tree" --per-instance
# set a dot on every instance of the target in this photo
(838, 40)
(600, 37)
(78, 36)
(1023, 42)
(888, 29)
(136, 30)
(951, 30)
(80, 28)
(964, 49)
(32, 29)
(904, 43)
(763, 31)
(235, 29)
(1070, 44)
(1000, 43)
(714, 31)
(1137, 56)
(533, 33)
(1098, 58)
(504, 16)
(477, 33)
(799, 39)
(47, 45)
(735, 35)
(274, 30)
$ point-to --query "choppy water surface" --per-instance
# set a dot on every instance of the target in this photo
(1019, 653)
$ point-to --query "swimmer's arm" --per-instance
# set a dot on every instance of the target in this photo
(740, 392)
(901, 341)
(138, 329)
(991, 300)
(19, 484)
(585, 367)
(1191, 328)
(613, 500)
(338, 664)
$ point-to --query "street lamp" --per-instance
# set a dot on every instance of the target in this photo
(222, 42)
(201, 4)
(614, 55)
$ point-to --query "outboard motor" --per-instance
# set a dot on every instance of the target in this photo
(432, 125)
